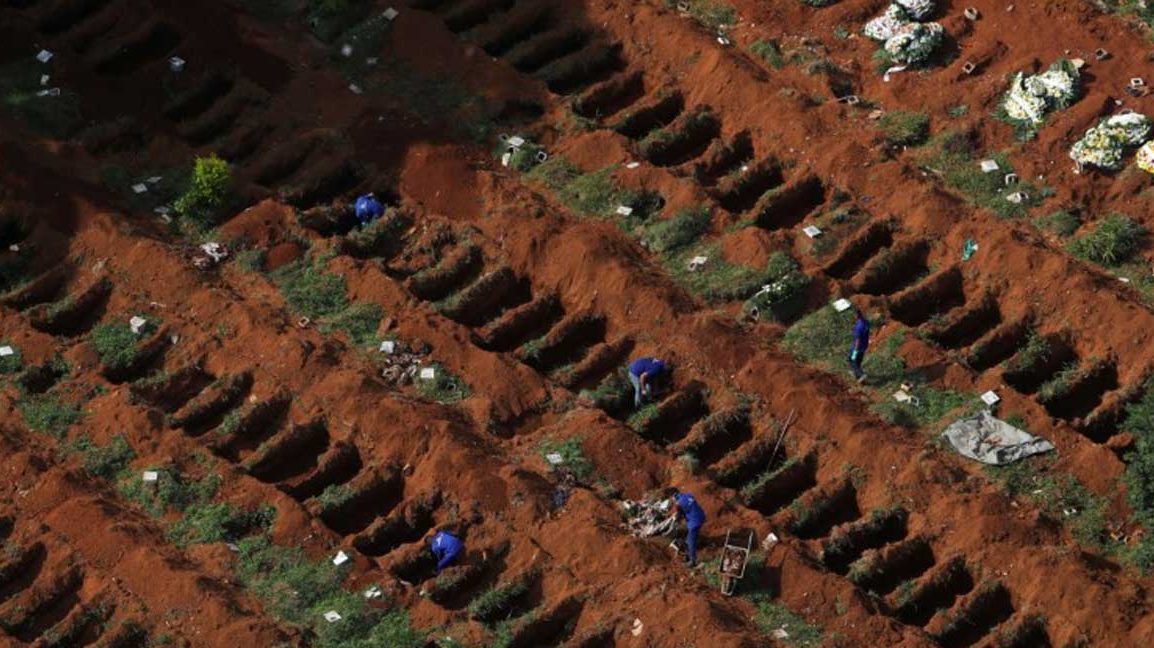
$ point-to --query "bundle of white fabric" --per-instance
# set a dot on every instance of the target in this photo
(907, 40)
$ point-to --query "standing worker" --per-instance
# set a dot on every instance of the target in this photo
(861, 342)
(643, 372)
(445, 547)
(685, 504)
(368, 209)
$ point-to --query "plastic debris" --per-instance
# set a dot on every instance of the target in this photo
(638, 626)
(812, 231)
(917, 9)
(215, 251)
(176, 64)
(968, 249)
(7, 351)
(44, 56)
(991, 398)
(722, 40)
(1018, 197)
(340, 559)
(15, 247)
(779, 633)
(332, 616)
(842, 305)
(136, 323)
(886, 25)
(892, 71)
(770, 540)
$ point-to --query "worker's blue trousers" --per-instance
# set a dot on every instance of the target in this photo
(691, 544)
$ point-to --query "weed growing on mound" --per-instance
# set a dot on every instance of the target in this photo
(1062, 497)
(115, 343)
(685, 227)
(768, 51)
(207, 191)
(952, 156)
(320, 296)
(49, 414)
(494, 603)
(1113, 241)
(10, 363)
(444, 387)
(712, 15)
(904, 128)
(1139, 477)
(297, 590)
(587, 194)
(1063, 222)
(573, 458)
(218, 522)
(172, 491)
(107, 461)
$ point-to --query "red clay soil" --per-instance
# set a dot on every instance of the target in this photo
(300, 141)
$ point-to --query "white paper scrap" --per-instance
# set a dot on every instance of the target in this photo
(355, 89)
(632, 165)
(44, 79)
(373, 592)
(154, 179)
(176, 64)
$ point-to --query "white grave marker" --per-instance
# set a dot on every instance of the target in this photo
(842, 305)
(517, 141)
(428, 373)
(990, 398)
(332, 616)
(812, 231)
(44, 56)
(137, 323)
(388, 346)
(7, 351)
(340, 559)
(176, 64)
(150, 476)
(391, 14)
(139, 188)
(555, 458)
(989, 166)
(624, 210)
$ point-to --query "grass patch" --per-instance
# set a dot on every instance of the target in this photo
(953, 157)
(718, 280)
(49, 414)
(218, 522)
(444, 387)
(437, 101)
(1036, 349)
(1111, 242)
(298, 590)
(684, 228)
(711, 14)
(772, 615)
(782, 296)
(768, 51)
(107, 461)
(320, 296)
(1139, 476)
(494, 603)
(1063, 222)
(359, 321)
(573, 458)
(172, 491)
(822, 337)
(586, 194)
(10, 364)
(115, 343)
(20, 93)
(905, 128)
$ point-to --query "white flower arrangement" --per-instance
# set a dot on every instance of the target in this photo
(914, 43)
(885, 26)
(1145, 157)
(1031, 97)
(918, 10)
(1022, 103)
(1105, 144)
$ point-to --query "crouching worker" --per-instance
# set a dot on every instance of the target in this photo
(445, 547)
(644, 374)
(686, 505)
(368, 209)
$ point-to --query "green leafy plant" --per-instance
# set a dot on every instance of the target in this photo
(1111, 242)
(218, 522)
(207, 191)
(1063, 222)
(172, 491)
(46, 413)
(769, 52)
(494, 603)
(444, 387)
(11, 363)
(105, 461)
(115, 343)
(904, 128)
(573, 458)
(587, 194)
(685, 227)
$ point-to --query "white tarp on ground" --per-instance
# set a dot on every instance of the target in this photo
(990, 440)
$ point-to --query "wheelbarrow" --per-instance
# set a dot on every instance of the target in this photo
(734, 558)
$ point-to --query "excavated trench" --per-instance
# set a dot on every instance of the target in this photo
(723, 158)
(876, 237)
(893, 269)
(821, 513)
(399, 528)
(611, 97)
(790, 205)
(38, 379)
(322, 183)
(689, 140)
(519, 324)
(545, 48)
(775, 490)
(1085, 394)
(198, 99)
(453, 271)
(999, 345)
(897, 564)
(582, 69)
(485, 299)
(498, 38)
(716, 436)
(567, 342)
(283, 161)
(939, 591)
(219, 120)
(968, 326)
(1027, 379)
(149, 354)
(206, 410)
(599, 361)
(290, 453)
(549, 628)
(760, 456)
(467, 15)
(42, 288)
(44, 607)
(20, 572)
(261, 421)
(124, 58)
(74, 314)
(647, 118)
(742, 189)
(849, 543)
(337, 466)
(938, 294)
(675, 415)
(169, 392)
(359, 507)
(984, 612)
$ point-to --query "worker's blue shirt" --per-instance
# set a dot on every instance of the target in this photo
(694, 515)
(861, 335)
(368, 209)
(651, 366)
(445, 545)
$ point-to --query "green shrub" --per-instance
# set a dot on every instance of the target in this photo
(769, 52)
(445, 387)
(493, 604)
(1063, 222)
(207, 191)
(587, 194)
(573, 456)
(115, 343)
(904, 128)
(311, 291)
(359, 321)
(106, 461)
(1112, 241)
(45, 413)
(218, 522)
(172, 491)
(684, 228)
(11, 363)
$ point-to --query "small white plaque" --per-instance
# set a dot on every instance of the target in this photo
(139, 188)
(428, 373)
(842, 305)
(624, 210)
(176, 64)
(340, 559)
(391, 14)
(346, 50)
(44, 56)
(150, 476)
(812, 231)
(388, 346)
(990, 398)
(989, 166)
(632, 165)
(136, 323)
(555, 458)
(517, 141)
(7, 351)
(373, 592)
(332, 616)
